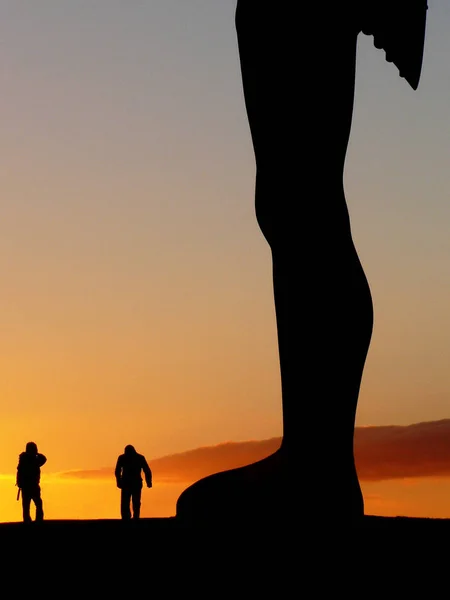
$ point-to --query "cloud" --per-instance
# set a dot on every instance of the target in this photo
(381, 452)
(104, 473)
(398, 452)
(194, 464)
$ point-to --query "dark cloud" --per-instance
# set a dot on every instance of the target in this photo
(194, 464)
(398, 452)
(382, 453)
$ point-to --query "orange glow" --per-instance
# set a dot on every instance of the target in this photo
(425, 497)
(404, 471)
(66, 498)
(92, 494)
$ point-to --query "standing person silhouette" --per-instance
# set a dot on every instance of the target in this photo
(129, 480)
(298, 66)
(28, 481)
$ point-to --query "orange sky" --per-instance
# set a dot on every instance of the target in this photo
(137, 302)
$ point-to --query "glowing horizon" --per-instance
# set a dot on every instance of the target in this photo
(401, 468)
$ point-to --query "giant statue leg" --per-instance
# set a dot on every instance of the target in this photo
(298, 72)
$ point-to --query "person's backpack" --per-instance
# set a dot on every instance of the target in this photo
(28, 471)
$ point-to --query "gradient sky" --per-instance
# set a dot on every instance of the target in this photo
(136, 301)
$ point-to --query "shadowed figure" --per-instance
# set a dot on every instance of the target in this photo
(298, 71)
(129, 480)
(28, 481)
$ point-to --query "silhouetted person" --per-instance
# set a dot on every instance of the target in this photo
(28, 480)
(298, 71)
(129, 468)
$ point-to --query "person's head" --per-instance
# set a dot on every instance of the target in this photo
(31, 448)
(129, 450)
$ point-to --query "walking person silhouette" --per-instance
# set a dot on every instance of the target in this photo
(298, 64)
(128, 471)
(28, 481)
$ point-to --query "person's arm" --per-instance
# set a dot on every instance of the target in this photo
(147, 472)
(41, 459)
(118, 473)
(17, 474)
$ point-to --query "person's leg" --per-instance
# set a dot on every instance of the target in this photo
(37, 499)
(298, 78)
(26, 503)
(125, 499)
(136, 500)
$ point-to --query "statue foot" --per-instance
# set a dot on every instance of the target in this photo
(250, 494)
(274, 492)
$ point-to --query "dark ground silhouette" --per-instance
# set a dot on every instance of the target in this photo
(163, 556)
(298, 73)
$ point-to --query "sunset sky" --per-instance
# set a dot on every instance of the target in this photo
(137, 302)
